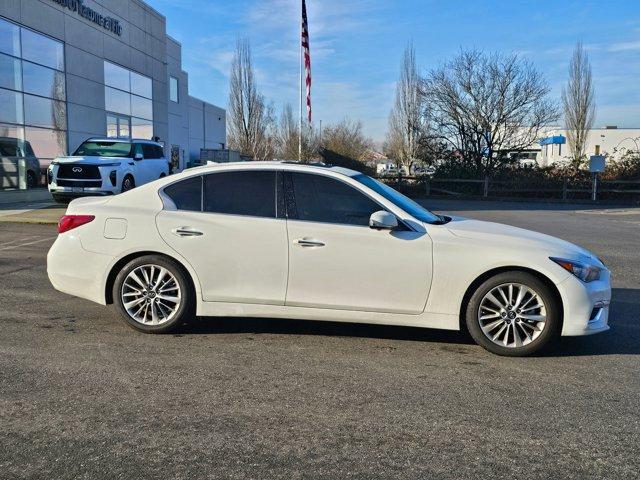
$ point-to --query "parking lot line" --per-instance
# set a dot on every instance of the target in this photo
(19, 240)
(11, 247)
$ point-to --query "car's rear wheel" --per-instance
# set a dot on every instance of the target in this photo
(128, 183)
(153, 294)
(513, 314)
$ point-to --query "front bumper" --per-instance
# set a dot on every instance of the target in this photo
(71, 192)
(105, 182)
(586, 305)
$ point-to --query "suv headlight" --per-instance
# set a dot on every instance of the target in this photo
(584, 271)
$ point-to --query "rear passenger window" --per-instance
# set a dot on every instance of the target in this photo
(250, 193)
(152, 151)
(187, 194)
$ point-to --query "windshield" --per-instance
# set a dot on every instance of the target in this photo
(412, 208)
(93, 148)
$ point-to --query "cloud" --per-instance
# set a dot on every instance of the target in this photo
(625, 46)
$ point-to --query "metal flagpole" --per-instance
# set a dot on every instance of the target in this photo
(300, 80)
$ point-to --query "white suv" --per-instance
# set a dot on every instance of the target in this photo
(106, 166)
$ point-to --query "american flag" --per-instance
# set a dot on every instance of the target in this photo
(307, 57)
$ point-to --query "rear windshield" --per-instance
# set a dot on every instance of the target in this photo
(104, 149)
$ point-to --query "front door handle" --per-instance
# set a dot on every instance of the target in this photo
(309, 242)
(186, 232)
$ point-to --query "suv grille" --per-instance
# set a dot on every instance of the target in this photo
(79, 183)
(84, 172)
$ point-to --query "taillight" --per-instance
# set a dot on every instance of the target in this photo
(69, 222)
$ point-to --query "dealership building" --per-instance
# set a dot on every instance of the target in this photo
(74, 69)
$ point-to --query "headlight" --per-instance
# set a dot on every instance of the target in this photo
(112, 164)
(584, 271)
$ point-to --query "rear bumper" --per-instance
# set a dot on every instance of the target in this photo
(586, 305)
(75, 271)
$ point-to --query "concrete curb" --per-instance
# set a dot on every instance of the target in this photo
(16, 197)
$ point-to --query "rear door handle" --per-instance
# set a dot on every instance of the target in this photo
(186, 232)
(309, 242)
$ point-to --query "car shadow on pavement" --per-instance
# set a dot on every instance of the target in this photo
(622, 339)
(223, 325)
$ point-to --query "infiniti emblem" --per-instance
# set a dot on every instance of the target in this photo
(76, 169)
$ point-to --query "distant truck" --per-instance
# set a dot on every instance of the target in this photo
(221, 156)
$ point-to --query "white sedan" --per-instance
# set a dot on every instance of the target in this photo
(285, 240)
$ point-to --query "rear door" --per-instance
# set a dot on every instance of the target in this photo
(151, 167)
(226, 225)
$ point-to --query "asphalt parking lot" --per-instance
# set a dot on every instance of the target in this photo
(84, 396)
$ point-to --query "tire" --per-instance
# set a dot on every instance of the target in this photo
(32, 180)
(498, 325)
(61, 200)
(128, 183)
(154, 312)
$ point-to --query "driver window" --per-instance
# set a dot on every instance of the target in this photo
(326, 200)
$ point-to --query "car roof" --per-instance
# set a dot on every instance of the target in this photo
(275, 164)
(121, 140)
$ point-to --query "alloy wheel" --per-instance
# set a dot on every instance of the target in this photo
(512, 315)
(151, 295)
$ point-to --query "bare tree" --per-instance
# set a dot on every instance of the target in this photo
(485, 105)
(250, 119)
(288, 133)
(346, 139)
(578, 100)
(407, 128)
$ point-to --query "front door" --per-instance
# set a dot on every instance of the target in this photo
(336, 261)
(233, 239)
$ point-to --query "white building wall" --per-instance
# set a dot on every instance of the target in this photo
(207, 127)
(611, 142)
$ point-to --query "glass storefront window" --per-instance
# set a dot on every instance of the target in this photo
(33, 123)
(11, 107)
(117, 101)
(141, 85)
(129, 103)
(141, 107)
(173, 89)
(43, 112)
(141, 128)
(43, 50)
(47, 144)
(12, 141)
(9, 38)
(43, 81)
(10, 74)
(116, 77)
(112, 126)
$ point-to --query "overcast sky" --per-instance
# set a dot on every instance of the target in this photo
(356, 47)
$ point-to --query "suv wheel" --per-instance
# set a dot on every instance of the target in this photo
(128, 183)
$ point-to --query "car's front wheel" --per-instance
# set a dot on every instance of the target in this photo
(153, 294)
(513, 314)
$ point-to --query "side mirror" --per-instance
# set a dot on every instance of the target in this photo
(383, 220)
(138, 156)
